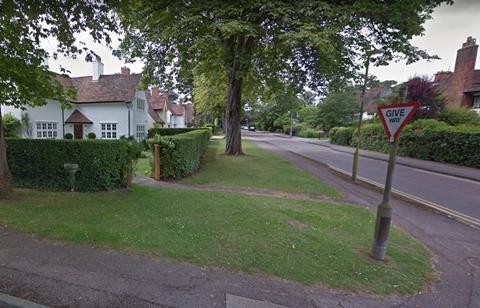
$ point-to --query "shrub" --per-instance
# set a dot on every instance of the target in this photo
(180, 154)
(103, 163)
(424, 139)
(308, 133)
(12, 125)
(68, 136)
(173, 131)
(91, 135)
(341, 135)
(460, 116)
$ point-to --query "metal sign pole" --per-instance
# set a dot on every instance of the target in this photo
(384, 210)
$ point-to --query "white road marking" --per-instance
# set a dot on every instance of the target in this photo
(448, 176)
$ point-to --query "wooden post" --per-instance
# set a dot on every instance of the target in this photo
(157, 162)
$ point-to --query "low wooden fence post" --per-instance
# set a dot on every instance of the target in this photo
(157, 162)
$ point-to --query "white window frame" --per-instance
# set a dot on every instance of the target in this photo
(109, 130)
(46, 129)
(140, 104)
(476, 102)
(140, 133)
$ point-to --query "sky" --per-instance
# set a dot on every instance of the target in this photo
(444, 35)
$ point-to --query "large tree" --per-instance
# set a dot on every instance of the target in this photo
(23, 78)
(301, 43)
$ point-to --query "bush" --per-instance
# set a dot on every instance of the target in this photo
(91, 136)
(68, 136)
(12, 125)
(103, 163)
(424, 139)
(308, 133)
(180, 154)
(460, 116)
(341, 135)
(173, 131)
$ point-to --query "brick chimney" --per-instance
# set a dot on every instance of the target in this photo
(97, 67)
(463, 75)
(154, 91)
(442, 76)
(125, 70)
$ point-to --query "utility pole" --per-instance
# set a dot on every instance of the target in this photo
(356, 154)
(291, 123)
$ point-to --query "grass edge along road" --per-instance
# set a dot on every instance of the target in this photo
(314, 243)
(258, 168)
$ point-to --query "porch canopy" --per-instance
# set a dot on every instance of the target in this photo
(78, 118)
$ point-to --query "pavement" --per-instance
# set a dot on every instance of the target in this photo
(453, 187)
(59, 274)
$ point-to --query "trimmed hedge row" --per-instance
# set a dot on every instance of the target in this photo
(424, 139)
(173, 131)
(180, 154)
(38, 163)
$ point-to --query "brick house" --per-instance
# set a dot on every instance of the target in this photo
(462, 86)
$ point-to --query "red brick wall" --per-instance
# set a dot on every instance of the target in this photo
(463, 75)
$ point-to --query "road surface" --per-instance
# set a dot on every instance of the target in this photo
(455, 193)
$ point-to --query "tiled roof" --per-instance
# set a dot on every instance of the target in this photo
(158, 102)
(108, 88)
(155, 116)
(176, 109)
(78, 118)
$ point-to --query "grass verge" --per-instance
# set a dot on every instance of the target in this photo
(259, 168)
(327, 243)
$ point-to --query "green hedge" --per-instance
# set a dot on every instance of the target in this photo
(173, 131)
(308, 133)
(181, 154)
(341, 135)
(424, 139)
(38, 163)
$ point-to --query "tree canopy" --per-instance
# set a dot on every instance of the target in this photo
(284, 44)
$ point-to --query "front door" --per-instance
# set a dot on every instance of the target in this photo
(78, 131)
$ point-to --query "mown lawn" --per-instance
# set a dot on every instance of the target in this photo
(143, 165)
(258, 168)
(230, 230)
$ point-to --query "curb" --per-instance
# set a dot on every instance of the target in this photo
(399, 162)
(9, 301)
(417, 201)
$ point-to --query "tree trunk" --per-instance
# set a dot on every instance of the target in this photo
(5, 175)
(238, 50)
(234, 108)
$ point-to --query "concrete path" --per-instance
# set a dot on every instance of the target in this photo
(456, 193)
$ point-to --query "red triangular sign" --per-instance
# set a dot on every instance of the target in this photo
(394, 117)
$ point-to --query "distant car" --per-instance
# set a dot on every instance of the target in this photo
(245, 127)
(251, 128)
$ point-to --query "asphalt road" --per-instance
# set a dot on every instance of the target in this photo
(458, 194)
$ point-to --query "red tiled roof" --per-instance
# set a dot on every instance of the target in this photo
(176, 109)
(158, 102)
(108, 88)
(78, 118)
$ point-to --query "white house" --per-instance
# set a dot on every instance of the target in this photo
(110, 106)
(167, 114)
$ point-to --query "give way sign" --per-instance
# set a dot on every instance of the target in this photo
(395, 116)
